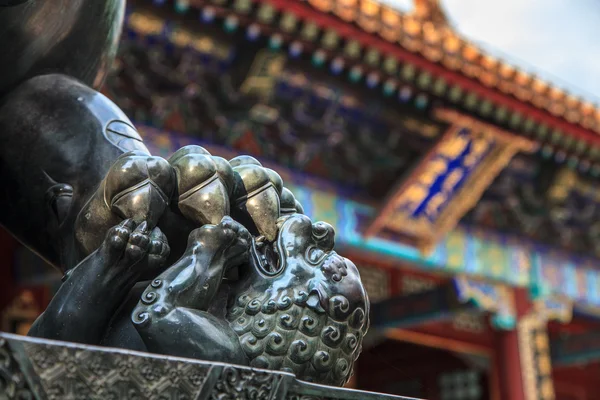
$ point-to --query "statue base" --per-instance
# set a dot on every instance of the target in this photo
(33, 368)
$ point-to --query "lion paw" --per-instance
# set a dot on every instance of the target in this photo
(240, 240)
(134, 250)
(158, 252)
(228, 239)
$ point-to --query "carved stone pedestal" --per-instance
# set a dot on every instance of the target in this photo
(44, 369)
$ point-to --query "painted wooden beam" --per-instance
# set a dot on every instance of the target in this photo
(448, 181)
(435, 305)
(345, 30)
(443, 302)
(576, 349)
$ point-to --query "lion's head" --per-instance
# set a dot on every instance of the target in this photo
(299, 306)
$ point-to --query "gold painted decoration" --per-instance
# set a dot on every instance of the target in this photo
(567, 182)
(490, 297)
(448, 181)
(536, 363)
(487, 296)
(146, 24)
(534, 345)
(265, 70)
(555, 308)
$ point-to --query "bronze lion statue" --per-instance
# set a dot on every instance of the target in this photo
(194, 256)
(269, 292)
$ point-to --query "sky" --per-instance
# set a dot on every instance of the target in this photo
(558, 40)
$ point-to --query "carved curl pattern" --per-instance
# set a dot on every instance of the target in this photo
(243, 384)
(313, 346)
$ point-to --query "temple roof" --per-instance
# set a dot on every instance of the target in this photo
(391, 49)
(426, 31)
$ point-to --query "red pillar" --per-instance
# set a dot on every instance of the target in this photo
(509, 366)
(507, 358)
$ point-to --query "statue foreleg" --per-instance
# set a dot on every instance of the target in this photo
(84, 305)
(172, 316)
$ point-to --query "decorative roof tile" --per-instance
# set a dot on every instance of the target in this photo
(426, 31)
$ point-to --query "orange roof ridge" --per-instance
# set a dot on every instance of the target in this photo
(426, 31)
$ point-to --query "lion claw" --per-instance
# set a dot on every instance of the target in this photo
(128, 245)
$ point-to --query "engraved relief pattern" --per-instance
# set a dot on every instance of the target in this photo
(243, 384)
(12, 381)
(79, 374)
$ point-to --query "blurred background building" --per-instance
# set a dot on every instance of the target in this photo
(464, 187)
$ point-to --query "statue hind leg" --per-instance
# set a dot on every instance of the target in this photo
(60, 195)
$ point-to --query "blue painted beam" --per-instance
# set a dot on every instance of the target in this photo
(434, 305)
(576, 349)
(442, 303)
